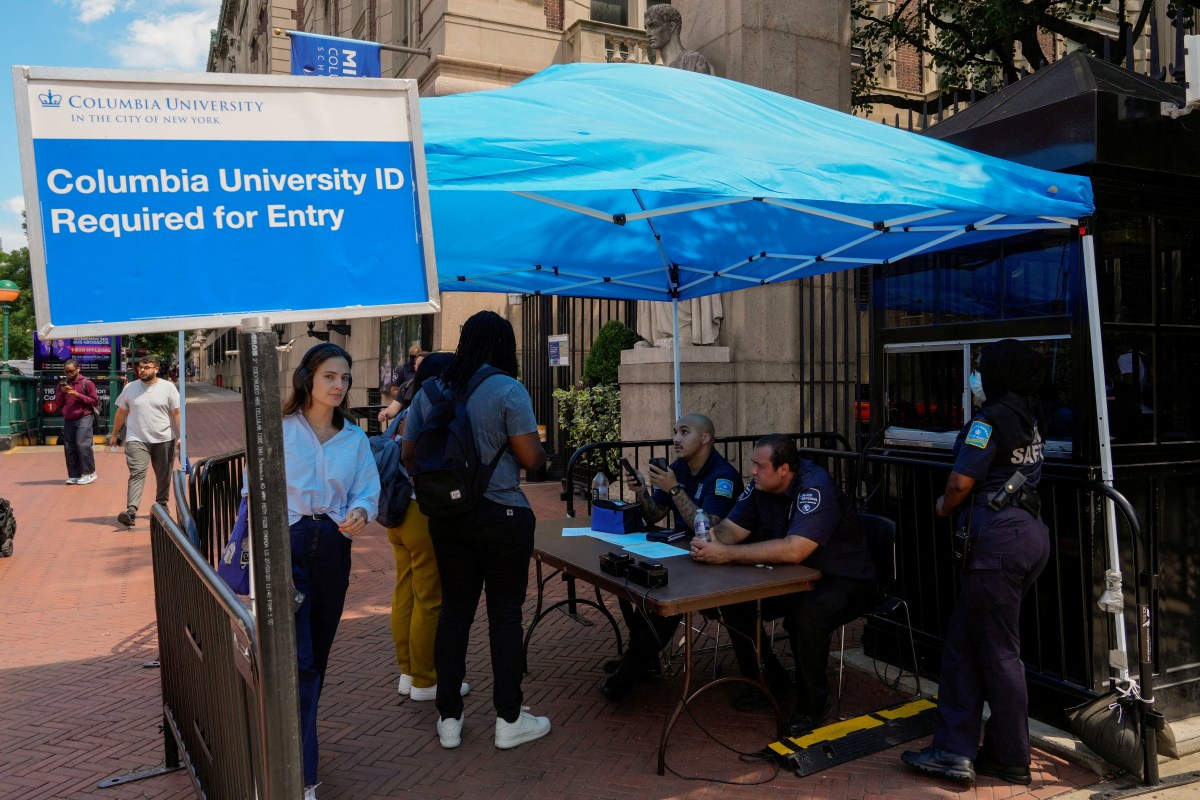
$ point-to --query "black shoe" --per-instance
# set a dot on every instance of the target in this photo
(940, 763)
(1005, 772)
(618, 685)
(752, 698)
(801, 723)
(126, 518)
(612, 665)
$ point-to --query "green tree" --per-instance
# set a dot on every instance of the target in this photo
(976, 43)
(14, 266)
(22, 321)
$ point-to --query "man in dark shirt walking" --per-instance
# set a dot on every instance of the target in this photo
(78, 399)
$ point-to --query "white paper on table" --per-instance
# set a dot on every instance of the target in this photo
(579, 532)
(656, 550)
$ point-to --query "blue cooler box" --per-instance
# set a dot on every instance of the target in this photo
(616, 516)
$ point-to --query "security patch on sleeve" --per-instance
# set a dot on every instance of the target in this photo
(808, 501)
(724, 488)
(747, 491)
(979, 434)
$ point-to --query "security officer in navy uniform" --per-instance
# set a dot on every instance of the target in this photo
(1007, 548)
(699, 478)
(793, 513)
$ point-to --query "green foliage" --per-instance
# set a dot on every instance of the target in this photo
(14, 266)
(591, 414)
(602, 363)
(976, 43)
(163, 345)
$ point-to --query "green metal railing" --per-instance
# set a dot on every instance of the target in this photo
(18, 406)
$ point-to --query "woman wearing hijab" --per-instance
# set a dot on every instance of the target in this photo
(1008, 546)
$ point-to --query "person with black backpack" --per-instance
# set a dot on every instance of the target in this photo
(417, 598)
(467, 436)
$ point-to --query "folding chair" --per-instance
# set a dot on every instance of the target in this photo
(880, 533)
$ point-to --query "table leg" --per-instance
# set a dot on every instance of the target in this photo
(686, 695)
(571, 602)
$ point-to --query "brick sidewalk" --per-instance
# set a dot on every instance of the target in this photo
(79, 705)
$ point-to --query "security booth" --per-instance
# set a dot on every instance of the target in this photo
(931, 315)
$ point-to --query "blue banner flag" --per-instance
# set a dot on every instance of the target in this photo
(333, 56)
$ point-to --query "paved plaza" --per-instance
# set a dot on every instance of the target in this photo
(80, 698)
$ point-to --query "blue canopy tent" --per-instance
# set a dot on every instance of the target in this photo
(636, 182)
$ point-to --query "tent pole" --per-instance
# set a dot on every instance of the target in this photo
(183, 456)
(1106, 467)
(675, 354)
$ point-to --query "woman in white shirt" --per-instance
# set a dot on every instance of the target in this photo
(332, 493)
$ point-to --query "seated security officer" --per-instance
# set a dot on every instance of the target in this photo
(699, 478)
(793, 513)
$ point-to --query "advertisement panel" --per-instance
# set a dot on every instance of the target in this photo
(221, 197)
(94, 353)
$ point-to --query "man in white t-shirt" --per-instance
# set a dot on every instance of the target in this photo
(147, 408)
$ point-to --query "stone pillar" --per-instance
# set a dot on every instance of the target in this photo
(795, 47)
(764, 378)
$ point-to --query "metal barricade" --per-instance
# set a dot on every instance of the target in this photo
(206, 644)
(214, 492)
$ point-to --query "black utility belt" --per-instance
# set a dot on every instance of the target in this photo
(1025, 499)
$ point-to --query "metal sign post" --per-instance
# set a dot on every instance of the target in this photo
(279, 700)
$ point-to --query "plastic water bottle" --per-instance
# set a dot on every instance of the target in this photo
(599, 487)
(701, 525)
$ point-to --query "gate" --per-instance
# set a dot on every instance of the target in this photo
(580, 318)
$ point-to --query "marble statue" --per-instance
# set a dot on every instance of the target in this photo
(699, 319)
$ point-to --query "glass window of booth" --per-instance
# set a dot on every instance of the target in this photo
(929, 392)
(1149, 268)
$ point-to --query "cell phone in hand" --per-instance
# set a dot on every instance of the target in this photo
(632, 472)
(660, 462)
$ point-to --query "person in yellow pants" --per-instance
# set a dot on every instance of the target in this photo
(417, 598)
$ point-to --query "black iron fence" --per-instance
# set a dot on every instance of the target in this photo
(1066, 640)
(604, 457)
(580, 319)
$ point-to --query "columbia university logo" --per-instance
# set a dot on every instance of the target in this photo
(50, 99)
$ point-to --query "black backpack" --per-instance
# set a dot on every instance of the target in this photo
(395, 490)
(8, 528)
(450, 477)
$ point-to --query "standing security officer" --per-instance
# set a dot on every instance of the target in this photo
(1004, 546)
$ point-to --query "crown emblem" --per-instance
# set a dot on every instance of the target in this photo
(50, 99)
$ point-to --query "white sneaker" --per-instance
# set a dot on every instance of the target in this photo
(450, 731)
(310, 792)
(71, 481)
(430, 692)
(525, 729)
(86, 479)
(405, 684)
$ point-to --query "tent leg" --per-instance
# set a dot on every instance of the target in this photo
(1106, 467)
(675, 355)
